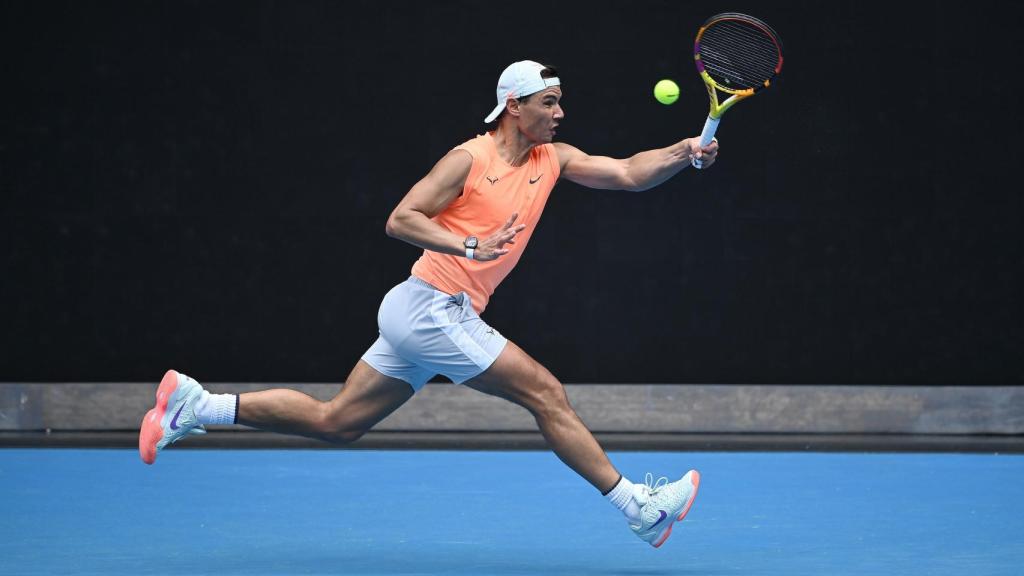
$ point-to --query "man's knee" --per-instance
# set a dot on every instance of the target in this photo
(343, 436)
(334, 427)
(547, 396)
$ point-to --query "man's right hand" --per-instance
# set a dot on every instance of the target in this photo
(493, 247)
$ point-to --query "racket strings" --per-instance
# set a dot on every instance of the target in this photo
(738, 55)
(746, 41)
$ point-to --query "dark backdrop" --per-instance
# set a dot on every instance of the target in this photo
(204, 185)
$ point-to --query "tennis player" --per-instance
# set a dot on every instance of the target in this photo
(473, 214)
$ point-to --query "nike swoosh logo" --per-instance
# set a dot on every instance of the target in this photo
(174, 426)
(663, 516)
(534, 181)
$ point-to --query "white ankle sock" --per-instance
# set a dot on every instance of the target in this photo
(216, 408)
(622, 498)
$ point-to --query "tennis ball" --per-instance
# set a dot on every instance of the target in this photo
(666, 91)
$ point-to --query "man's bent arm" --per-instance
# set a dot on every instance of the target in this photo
(411, 222)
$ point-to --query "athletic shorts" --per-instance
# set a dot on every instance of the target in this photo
(424, 332)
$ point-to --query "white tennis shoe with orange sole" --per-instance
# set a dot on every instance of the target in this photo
(172, 418)
(662, 504)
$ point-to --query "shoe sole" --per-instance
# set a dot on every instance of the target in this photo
(695, 481)
(151, 430)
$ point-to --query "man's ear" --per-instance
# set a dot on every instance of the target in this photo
(512, 107)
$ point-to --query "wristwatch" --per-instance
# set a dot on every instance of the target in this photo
(470, 243)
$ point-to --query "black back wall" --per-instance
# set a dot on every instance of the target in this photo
(204, 186)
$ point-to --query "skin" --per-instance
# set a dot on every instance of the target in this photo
(369, 396)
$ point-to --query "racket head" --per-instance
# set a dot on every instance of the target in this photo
(737, 53)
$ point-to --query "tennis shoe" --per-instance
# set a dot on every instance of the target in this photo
(662, 504)
(173, 417)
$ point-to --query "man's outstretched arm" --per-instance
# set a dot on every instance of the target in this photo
(638, 172)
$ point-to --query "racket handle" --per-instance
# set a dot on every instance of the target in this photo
(710, 125)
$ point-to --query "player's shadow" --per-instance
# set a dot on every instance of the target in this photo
(272, 560)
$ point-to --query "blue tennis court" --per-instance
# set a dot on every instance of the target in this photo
(70, 511)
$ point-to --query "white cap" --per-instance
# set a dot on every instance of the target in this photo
(520, 79)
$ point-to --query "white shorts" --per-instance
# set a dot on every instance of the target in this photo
(424, 332)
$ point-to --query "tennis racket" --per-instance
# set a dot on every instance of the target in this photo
(737, 55)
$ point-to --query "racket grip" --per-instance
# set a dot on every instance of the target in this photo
(706, 136)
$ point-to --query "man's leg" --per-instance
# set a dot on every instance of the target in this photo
(517, 377)
(183, 407)
(651, 509)
(366, 398)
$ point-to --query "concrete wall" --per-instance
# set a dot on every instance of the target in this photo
(653, 409)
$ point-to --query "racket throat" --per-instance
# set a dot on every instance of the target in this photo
(712, 93)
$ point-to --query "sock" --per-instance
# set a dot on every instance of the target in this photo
(216, 408)
(622, 498)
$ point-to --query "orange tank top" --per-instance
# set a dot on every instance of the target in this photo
(493, 191)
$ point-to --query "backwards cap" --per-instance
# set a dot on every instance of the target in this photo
(520, 79)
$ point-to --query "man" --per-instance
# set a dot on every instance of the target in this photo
(473, 215)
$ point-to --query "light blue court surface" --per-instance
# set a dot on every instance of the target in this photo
(224, 512)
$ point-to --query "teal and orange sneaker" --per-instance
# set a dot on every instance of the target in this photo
(172, 418)
(662, 504)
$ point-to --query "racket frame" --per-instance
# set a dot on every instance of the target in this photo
(718, 108)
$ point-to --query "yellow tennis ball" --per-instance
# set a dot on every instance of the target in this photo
(666, 91)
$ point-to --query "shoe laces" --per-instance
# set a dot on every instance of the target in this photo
(652, 486)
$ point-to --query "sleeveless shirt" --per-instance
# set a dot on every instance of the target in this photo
(493, 191)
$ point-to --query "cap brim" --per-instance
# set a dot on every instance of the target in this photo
(494, 113)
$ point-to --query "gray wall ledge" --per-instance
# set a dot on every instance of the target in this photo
(606, 408)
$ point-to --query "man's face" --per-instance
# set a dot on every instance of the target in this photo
(540, 115)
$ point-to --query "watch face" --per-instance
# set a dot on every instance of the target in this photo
(471, 242)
